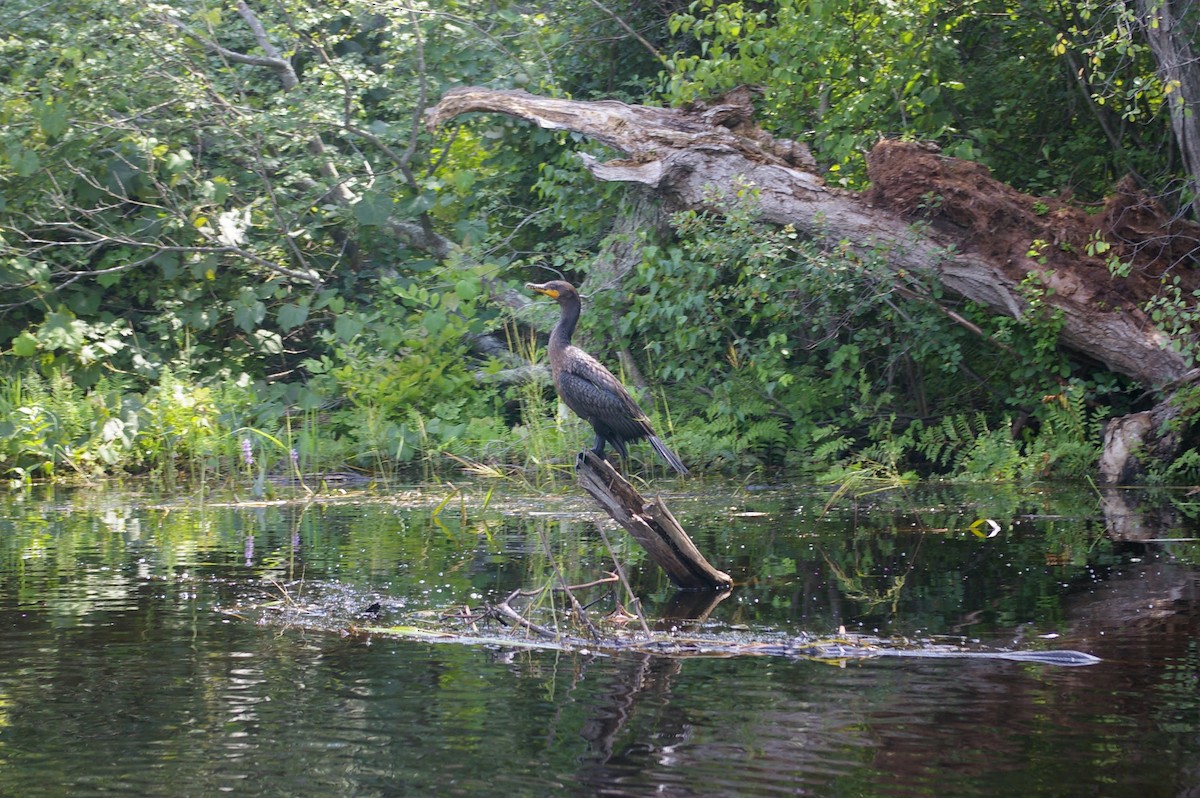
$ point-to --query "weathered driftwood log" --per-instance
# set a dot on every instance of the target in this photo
(651, 524)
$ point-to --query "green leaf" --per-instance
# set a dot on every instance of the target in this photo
(52, 116)
(464, 180)
(21, 269)
(23, 161)
(315, 366)
(216, 190)
(418, 205)
(292, 316)
(169, 263)
(268, 341)
(468, 288)
(373, 209)
(471, 231)
(248, 315)
(434, 322)
(25, 345)
(179, 161)
(108, 279)
(61, 330)
(346, 327)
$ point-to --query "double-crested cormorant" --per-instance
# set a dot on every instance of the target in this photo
(590, 389)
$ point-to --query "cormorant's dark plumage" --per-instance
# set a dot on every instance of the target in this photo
(590, 389)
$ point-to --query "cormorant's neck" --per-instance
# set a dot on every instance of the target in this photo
(561, 335)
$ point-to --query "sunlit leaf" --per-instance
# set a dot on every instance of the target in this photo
(25, 344)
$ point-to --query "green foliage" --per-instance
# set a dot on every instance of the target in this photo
(29, 427)
(224, 251)
(1101, 44)
(225, 207)
(781, 339)
(1061, 441)
(1180, 425)
(1183, 470)
(1037, 362)
(997, 82)
(785, 351)
(402, 372)
(965, 442)
(848, 72)
(220, 217)
(53, 428)
(1178, 315)
(737, 429)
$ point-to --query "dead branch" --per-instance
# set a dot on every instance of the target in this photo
(651, 525)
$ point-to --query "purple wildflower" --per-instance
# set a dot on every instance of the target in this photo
(247, 452)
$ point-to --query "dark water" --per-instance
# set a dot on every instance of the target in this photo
(164, 648)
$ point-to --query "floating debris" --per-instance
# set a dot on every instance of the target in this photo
(835, 651)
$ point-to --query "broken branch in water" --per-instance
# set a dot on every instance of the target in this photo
(504, 611)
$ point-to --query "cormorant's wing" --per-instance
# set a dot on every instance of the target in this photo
(596, 395)
(603, 402)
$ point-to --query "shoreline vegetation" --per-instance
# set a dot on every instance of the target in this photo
(228, 431)
(261, 260)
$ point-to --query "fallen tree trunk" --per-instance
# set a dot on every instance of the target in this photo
(979, 238)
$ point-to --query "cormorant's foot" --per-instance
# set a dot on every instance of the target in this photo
(604, 458)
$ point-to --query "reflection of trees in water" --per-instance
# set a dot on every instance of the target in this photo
(650, 730)
(918, 723)
(914, 723)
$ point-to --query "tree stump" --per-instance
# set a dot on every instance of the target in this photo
(651, 524)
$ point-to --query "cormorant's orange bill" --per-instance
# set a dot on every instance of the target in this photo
(542, 289)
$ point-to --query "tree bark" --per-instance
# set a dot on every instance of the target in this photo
(651, 524)
(1170, 27)
(926, 213)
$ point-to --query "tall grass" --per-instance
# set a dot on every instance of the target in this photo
(176, 430)
(183, 432)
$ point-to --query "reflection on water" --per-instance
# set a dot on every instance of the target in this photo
(128, 665)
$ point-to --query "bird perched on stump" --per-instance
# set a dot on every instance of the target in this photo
(590, 389)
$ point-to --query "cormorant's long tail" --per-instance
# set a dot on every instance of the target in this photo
(667, 454)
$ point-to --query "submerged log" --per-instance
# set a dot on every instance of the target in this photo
(651, 524)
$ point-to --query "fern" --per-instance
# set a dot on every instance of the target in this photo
(947, 443)
(764, 432)
(993, 455)
(1068, 442)
(832, 449)
(1183, 470)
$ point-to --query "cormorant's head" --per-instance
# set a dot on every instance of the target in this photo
(555, 289)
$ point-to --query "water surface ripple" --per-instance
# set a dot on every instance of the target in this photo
(131, 662)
